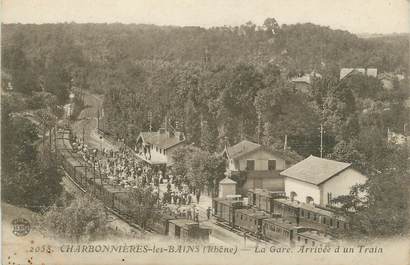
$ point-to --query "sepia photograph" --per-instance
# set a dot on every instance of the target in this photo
(205, 132)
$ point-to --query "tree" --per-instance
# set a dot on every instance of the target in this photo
(28, 178)
(143, 203)
(271, 27)
(383, 209)
(84, 219)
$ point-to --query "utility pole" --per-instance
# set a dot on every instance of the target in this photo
(83, 135)
(259, 127)
(321, 140)
(150, 120)
(285, 145)
(98, 119)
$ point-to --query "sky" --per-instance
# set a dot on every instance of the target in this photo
(357, 16)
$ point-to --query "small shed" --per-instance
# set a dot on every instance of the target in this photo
(227, 186)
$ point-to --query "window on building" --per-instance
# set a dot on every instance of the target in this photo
(306, 241)
(337, 224)
(271, 164)
(250, 164)
(308, 215)
(314, 217)
(302, 213)
(345, 226)
(331, 222)
(329, 198)
(324, 220)
(298, 238)
(313, 243)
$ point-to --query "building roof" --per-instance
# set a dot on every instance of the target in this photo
(162, 140)
(348, 71)
(302, 79)
(315, 170)
(241, 148)
(245, 147)
(388, 76)
(227, 181)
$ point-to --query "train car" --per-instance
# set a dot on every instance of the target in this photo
(313, 238)
(322, 219)
(250, 220)
(279, 230)
(286, 208)
(224, 209)
(263, 199)
(121, 202)
(161, 225)
(188, 230)
(309, 215)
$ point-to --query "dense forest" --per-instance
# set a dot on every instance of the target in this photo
(221, 85)
(218, 85)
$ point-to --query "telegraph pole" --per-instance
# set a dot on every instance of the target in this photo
(259, 127)
(98, 119)
(321, 140)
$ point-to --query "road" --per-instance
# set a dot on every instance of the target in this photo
(87, 123)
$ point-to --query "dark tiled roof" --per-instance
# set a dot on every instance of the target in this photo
(315, 170)
(162, 140)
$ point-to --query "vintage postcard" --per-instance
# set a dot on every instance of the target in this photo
(205, 132)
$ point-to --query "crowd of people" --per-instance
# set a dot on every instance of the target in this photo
(123, 168)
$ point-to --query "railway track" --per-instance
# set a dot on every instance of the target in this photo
(64, 140)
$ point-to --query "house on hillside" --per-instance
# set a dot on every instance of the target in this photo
(156, 148)
(260, 165)
(346, 72)
(303, 83)
(387, 80)
(317, 180)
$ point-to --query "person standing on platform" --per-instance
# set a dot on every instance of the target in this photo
(208, 213)
(198, 195)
